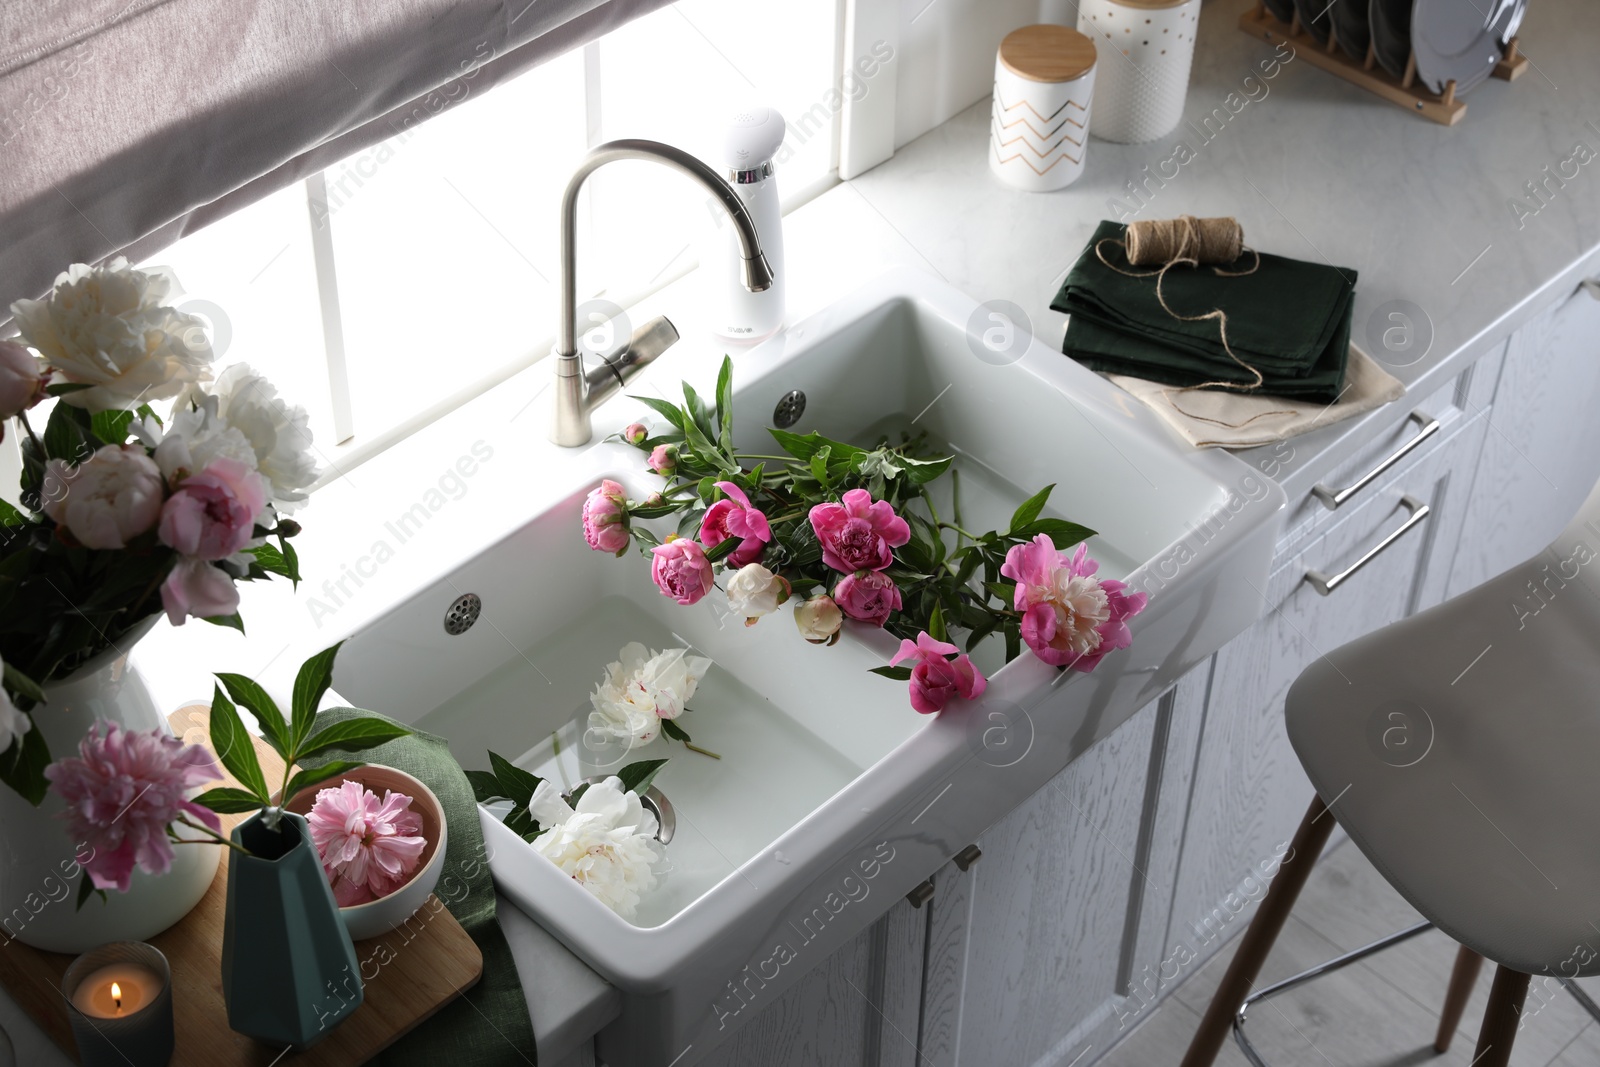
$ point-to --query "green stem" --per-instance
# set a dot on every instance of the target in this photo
(216, 837)
(955, 504)
(22, 417)
(703, 751)
(757, 455)
(958, 530)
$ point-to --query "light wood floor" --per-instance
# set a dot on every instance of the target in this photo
(1382, 1012)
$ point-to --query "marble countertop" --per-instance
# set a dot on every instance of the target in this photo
(1314, 168)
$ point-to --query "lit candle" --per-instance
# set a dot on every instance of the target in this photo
(120, 1006)
(116, 990)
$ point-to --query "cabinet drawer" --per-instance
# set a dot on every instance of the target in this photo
(1416, 426)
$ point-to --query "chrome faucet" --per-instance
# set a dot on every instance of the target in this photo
(579, 392)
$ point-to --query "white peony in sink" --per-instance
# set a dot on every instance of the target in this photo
(832, 797)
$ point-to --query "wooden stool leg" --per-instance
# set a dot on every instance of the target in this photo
(1258, 940)
(1500, 1018)
(1462, 979)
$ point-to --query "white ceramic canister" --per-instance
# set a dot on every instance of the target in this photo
(1044, 81)
(1146, 47)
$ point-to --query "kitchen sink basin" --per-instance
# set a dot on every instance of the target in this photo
(833, 797)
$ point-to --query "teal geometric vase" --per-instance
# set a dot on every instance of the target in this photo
(289, 970)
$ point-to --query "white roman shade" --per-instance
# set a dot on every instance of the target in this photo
(125, 124)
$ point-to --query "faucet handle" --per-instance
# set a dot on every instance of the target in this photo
(615, 368)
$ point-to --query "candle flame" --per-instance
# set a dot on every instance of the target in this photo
(116, 993)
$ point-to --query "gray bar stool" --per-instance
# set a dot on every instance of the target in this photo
(1458, 748)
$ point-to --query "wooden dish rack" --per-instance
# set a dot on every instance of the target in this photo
(1442, 108)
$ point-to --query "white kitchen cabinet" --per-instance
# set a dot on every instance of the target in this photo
(1542, 453)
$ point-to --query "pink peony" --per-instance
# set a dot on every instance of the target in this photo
(680, 570)
(1070, 618)
(108, 499)
(22, 382)
(867, 596)
(605, 518)
(197, 588)
(857, 534)
(368, 847)
(634, 433)
(936, 678)
(733, 516)
(663, 459)
(212, 515)
(122, 791)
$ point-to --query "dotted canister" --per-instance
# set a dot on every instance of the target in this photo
(1043, 83)
(1145, 48)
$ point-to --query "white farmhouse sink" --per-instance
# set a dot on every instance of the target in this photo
(833, 797)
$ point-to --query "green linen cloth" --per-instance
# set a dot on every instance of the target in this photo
(1289, 319)
(488, 1025)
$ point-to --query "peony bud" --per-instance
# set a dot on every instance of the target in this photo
(605, 518)
(755, 591)
(819, 620)
(663, 459)
(22, 382)
(634, 433)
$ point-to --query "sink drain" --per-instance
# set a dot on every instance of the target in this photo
(789, 409)
(462, 613)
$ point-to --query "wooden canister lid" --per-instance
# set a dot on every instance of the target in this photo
(1047, 53)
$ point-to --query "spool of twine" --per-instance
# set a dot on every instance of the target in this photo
(1190, 242)
(1157, 242)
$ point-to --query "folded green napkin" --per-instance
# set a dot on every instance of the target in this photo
(1288, 319)
(488, 1025)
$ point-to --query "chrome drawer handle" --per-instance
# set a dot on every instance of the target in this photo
(1323, 584)
(1334, 497)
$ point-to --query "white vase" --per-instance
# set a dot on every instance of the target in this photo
(38, 873)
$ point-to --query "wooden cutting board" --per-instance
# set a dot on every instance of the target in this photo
(409, 973)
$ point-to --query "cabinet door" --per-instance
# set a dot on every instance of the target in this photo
(1249, 791)
(1542, 454)
(1025, 947)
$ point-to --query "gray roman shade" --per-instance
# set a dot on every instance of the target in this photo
(125, 124)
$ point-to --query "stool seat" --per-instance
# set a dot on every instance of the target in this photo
(1460, 749)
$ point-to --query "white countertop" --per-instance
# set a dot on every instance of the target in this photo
(1313, 168)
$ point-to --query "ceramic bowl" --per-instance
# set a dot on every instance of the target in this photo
(386, 913)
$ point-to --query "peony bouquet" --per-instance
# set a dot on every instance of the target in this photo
(853, 533)
(125, 513)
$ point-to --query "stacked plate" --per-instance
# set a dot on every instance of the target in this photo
(1452, 40)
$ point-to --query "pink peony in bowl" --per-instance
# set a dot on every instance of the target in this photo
(390, 911)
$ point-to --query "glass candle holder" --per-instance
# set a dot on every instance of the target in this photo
(119, 1000)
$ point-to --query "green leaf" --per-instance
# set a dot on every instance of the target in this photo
(291, 561)
(111, 427)
(638, 776)
(485, 786)
(700, 442)
(655, 511)
(1063, 534)
(22, 766)
(225, 800)
(936, 626)
(1030, 509)
(921, 471)
(271, 560)
(22, 685)
(699, 414)
(316, 674)
(260, 704)
(145, 411)
(803, 448)
(233, 746)
(516, 784)
(721, 549)
(86, 890)
(10, 515)
(674, 731)
(64, 434)
(352, 735)
(576, 795)
(899, 674)
(819, 465)
(313, 775)
(232, 622)
(671, 412)
(725, 405)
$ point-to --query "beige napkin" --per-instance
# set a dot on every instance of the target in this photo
(1214, 418)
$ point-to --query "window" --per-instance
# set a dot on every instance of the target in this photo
(438, 247)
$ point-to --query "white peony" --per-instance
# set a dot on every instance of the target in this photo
(755, 591)
(640, 689)
(194, 437)
(14, 725)
(819, 619)
(607, 844)
(107, 500)
(107, 327)
(279, 434)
